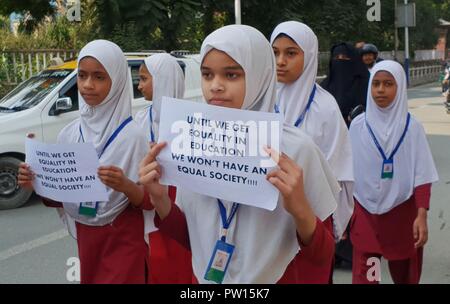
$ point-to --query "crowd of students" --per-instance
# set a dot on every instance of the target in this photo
(371, 183)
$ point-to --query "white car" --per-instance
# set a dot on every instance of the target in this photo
(45, 103)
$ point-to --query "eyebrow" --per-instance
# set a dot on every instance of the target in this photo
(233, 68)
(93, 72)
(289, 48)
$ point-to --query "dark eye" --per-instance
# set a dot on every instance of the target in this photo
(206, 75)
(232, 75)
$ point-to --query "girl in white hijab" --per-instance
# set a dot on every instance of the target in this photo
(238, 69)
(161, 75)
(307, 106)
(109, 234)
(394, 170)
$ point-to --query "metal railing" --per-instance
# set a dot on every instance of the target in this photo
(18, 65)
(422, 75)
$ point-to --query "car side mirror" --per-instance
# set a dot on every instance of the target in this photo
(63, 104)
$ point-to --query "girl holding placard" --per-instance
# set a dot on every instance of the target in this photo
(110, 235)
(236, 243)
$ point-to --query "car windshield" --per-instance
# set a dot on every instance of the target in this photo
(32, 91)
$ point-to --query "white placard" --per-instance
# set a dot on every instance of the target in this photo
(65, 172)
(219, 152)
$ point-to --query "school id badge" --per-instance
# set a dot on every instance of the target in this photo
(88, 209)
(219, 262)
(388, 169)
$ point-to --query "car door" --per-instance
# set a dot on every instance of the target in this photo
(54, 121)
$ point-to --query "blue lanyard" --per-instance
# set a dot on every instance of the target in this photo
(110, 140)
(150, 118)
(223, 215)
(408, 118)
(302, 116)
(113, 136)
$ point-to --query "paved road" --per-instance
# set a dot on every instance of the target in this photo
(34, 248)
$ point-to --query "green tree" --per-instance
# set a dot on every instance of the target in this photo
(38, 9)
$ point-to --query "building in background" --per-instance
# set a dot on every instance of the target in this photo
(443, 45)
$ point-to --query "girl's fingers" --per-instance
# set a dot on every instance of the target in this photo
(278, 183)
(284, 162)
(147, 169)
(416, 232)
(109, 173)
(149, 178)
(25, 171)
(283, 176)
(109, 168)
(273, 154)
(154, 152)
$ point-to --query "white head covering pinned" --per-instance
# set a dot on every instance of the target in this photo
(296, 95)
(258, 73)
(413, 162)
(323, 122)
(168, 80)
(99, 122)
(388, 124)
(254, 228)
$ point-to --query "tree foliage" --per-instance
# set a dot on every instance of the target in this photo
(183, 24)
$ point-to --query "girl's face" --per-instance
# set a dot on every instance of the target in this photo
(384, 89)
(145, 82)
(290, 59)
(223, 80)
(93, 81)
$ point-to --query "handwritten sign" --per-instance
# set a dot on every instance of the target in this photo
(65, 172)
(219, 152)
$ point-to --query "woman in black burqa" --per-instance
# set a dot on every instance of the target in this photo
(347, 79)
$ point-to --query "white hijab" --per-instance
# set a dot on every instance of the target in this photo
(168, 80)
(413, 162)
(98, 123)
(266, 242)
(323, 122)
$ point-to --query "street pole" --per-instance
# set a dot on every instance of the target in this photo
(237, 11)
(406, 45)
(396, 32)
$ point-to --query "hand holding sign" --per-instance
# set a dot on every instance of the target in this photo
(114, 178)
(149, 175)
(25, 177)
(217, 151)
(289, 181)
(63, 172)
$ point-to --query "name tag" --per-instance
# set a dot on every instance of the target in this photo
(88, 209)
(219, 262)
(388, 169)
